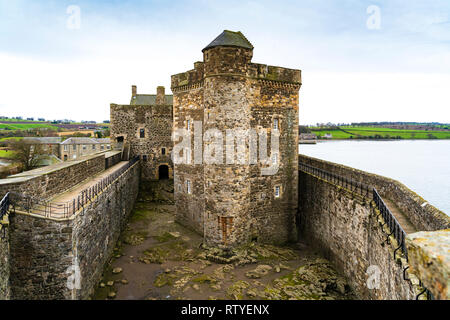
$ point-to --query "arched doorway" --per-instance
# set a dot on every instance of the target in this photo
(163, 172)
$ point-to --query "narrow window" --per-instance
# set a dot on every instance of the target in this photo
(93, 147)
(74, 147)
(277, 191)
(102, 147)
(141, 133)
(187, 152)
(275, 158)
(65, 147)
(188, 186)
(275, 123)
(84, 147)
(144, 157)
(163, 151)
(189, 124)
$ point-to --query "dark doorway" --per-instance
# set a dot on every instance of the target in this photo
(120, 139)
(163, 172)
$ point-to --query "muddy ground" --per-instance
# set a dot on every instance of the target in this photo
(156, 258)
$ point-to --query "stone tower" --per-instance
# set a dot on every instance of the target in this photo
(143, 128)
(228, 199)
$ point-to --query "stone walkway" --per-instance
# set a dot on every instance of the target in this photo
(400, 216)
(60, 203)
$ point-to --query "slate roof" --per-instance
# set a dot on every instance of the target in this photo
(149, 99)
(43, 140)
(230, 39)
(80, 140)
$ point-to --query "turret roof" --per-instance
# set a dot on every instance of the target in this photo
(230, 39)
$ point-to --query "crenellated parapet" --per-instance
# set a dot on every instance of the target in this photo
(232, 203)
(189, 79)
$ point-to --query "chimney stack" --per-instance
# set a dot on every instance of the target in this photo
(160, 95)
(133, 91)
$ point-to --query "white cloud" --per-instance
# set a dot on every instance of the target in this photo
(355, 97)
(84, 89)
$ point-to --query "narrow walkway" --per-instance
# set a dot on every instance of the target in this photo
(400, 216)
(73, 192)
(60, 204)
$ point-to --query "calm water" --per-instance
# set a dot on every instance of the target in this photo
(4, 163)
(423, 166)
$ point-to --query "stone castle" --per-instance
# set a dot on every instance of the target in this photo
(69, 216)
(229, 203)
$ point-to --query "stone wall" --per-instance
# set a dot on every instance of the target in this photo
(45, 252)
(112, 158)
(422, 215)
(155, 146)
(346, 228)
(429, 258)
(231, 203)
(4, 261)
(41, 252)
(48, 181)
(95, 233)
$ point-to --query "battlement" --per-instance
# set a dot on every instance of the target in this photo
(231, 56)
(273, 73)
(228, 91)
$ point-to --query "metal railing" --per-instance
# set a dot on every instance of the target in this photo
(4, 205)
(53, 209)
(392, 223)
(4, 209)
(344, 182)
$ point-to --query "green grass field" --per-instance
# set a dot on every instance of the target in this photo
(10, 138)
(381, 133)
(25, 126)
(6, 154)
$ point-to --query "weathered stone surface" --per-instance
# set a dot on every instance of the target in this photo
(51, 180)
(345, 227)
(429, 259)
(117, 270)
(229, 202)
(4, 262)
(259, 272)
(155, 146)
(45, 251)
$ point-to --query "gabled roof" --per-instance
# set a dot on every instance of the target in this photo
(42, 140)
(79, 140)
(230, 39)
(149, 99)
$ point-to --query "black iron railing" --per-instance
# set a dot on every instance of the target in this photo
(66, 209)
(392, 223)
(344, 182)
(394, 226)
(89, 193)
(4, 209)
(4, 205)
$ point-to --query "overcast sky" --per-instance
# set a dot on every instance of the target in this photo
(360, 60)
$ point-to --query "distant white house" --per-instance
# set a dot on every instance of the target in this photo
(73, 148)
(328, 136)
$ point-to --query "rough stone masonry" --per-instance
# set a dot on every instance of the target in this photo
(232, 203)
